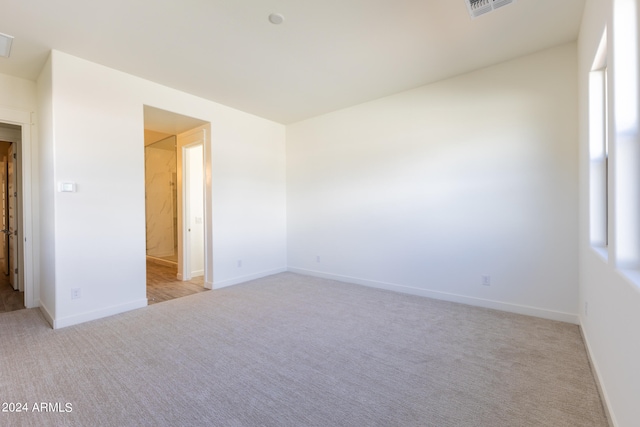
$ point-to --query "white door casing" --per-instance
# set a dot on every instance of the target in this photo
(194, 209)
(13, 227)
(4, 245)
(185, 141)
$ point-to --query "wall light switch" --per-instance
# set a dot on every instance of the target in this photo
(66, 187)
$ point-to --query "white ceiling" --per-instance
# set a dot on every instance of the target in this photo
(328, 54)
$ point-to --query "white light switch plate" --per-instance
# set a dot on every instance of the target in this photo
(66, 187)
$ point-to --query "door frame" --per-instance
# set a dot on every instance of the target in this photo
(187, 204)
(190, 138)
(4, 240)
(25, 120)
(14, 179)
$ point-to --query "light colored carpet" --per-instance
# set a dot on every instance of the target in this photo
(290, 350)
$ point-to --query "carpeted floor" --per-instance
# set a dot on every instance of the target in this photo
(290, 350)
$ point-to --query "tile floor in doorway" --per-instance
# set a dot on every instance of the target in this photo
(163, 285)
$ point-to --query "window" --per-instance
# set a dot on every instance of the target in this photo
(625, 143)
(599, 148)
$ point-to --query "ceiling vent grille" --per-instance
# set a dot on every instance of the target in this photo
(480, 7)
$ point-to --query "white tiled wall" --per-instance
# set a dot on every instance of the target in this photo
(160, 178)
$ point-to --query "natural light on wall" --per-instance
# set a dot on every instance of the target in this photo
(598, 153)
(626, 75)
(627, 143)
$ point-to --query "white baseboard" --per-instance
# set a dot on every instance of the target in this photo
(478, 302)
(162, 254)
(242, 279)
(98, 314)
(161, 261)
(596, 374)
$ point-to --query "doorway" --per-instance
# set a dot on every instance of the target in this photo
(15, 127)
(176, 203)
(11, 277)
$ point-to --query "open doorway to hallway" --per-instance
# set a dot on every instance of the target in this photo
(175, 196)
(11, 279)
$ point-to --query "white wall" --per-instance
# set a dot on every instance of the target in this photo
(99, 231)
(17, 93)
(611, 325)
(427, 190)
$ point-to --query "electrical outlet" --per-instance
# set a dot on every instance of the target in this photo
(586, 308)
(239, 263)
(317, 258)
(486, 280)
(75, 293)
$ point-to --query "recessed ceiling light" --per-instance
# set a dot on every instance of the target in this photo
(276, 18)
(5, 45)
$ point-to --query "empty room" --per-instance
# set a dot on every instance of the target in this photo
(407, 213)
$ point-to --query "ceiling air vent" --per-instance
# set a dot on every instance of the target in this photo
(480, 7)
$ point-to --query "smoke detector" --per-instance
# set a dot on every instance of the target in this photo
(480, 7)
(276, 18)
